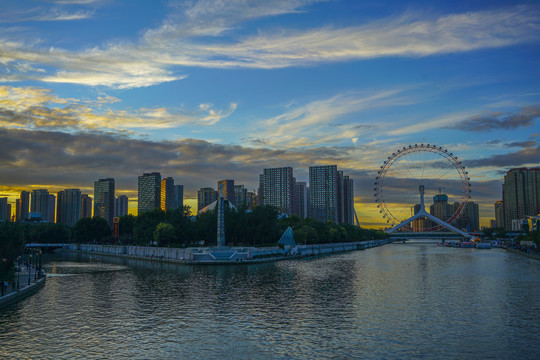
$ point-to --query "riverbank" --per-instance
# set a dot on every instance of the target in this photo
(523, 253)
(29, 284)
(222, 256)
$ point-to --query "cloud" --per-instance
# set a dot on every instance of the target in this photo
(493, 121)
(209, 34)
(33, 108)
(40, 14)
(529, 156)
(59, 158)
(521, 144)
(315, 123)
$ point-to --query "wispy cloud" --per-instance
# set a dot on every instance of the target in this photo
(34, 108)
(204, 34)
(321, 122)
(40, 14)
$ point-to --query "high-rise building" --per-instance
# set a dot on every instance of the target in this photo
(59, 207)
(4, 210)
(167, 194)
(240, 195)
(251, 199)
(205, 196)
(104, 199)
(301, 199)
(440, 208)
(86, 206)
(348, 200)
(178, 196)
(278, 188)
(40, 203)
(323, 193)
(226, 189)
(521, 194)
(469, 220)
(52, 208)
(499, 214)
(8, 210)
(260, 191)
(24, 205)
(68, 207)
(149, 192)
(121, 206)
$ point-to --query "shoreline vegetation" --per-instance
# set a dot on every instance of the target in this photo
(259, 227)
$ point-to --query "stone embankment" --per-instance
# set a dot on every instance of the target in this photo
(225, 255)
(28, 283)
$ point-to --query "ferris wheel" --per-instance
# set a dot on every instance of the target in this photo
(421, 175)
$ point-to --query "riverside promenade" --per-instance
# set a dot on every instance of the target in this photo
(222, 255)
(25, 283)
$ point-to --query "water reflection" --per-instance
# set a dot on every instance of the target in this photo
(397, 301)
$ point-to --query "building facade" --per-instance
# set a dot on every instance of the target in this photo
(205, 196)
(348, 200)
(178, 196)
(323, 193)
(40, 203)
(167, 198)
(278, 189)
(521, 194)
(68, 205)
(104, 199)
(240, 195)
(121, 205)
(226, 189)
(4, 215)
(301, 199)
(24, 206)
(52, 207)
(86, 206)
(149, 192)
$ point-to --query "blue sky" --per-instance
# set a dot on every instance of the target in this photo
(206, 90)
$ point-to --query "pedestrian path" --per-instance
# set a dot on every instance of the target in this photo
(26, 281)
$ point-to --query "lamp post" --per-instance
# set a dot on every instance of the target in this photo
(29, 268)
(18, 272)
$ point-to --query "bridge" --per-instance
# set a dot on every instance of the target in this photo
(406, 235)
(44, 247)
(423, 214)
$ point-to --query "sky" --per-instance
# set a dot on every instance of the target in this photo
(215, 89)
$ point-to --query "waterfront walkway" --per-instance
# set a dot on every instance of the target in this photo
(223, 255)
(25, 283)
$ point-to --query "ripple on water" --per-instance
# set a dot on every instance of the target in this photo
(398, 301)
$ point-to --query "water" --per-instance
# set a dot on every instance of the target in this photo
(397, 301)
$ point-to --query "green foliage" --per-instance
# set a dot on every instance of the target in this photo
(259, 227)
(13, 237)
(50, 233)
(164, 234)
(88, 230)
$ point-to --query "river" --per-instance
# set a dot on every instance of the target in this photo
(403, 301)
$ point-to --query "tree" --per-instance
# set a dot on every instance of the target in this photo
(50, 233)
(94, 229)
(164, 234)
(12, 242)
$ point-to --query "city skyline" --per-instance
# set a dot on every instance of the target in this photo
(206, 90)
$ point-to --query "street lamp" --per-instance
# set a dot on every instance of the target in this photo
(29, 268)
(18, 272)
